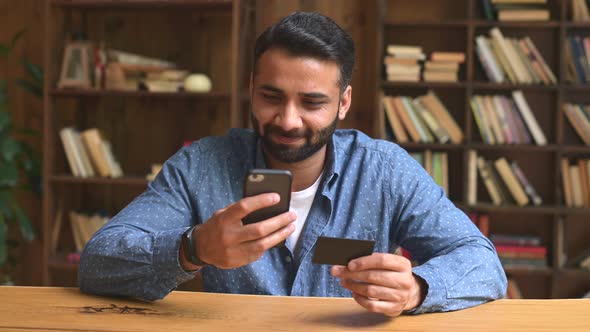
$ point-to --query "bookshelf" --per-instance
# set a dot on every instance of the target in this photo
(206, 36)
(452, 25)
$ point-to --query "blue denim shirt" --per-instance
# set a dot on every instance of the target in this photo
(371, 189)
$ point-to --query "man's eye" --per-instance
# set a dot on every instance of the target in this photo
(271, 97)
(314, 103)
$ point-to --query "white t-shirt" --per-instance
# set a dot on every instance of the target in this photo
(301, 203)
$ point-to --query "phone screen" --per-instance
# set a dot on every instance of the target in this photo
(260, 181)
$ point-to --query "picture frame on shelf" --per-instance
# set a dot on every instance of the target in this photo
(75, 69)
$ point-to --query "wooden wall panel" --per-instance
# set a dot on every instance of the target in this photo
(26, 109)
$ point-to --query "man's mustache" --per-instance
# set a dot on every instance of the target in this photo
(295, 133)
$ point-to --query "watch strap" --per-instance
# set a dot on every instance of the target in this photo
(190, 249)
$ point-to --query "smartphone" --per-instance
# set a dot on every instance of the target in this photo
(260, 181)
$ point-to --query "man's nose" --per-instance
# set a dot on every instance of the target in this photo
(289, 117)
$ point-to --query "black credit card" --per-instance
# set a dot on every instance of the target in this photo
(339, 251)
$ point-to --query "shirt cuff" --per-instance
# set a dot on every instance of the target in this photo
(436, 296)
(167, 266)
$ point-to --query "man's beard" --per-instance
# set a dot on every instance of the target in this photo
(286, 154)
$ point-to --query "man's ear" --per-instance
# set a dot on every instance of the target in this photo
(345, 102)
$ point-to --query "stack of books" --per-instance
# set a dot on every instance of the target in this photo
(502, 120)
(520, 252)
(577, 50)
(575, 176)
(436, 164)
(512, 60)
(423, 119)
(516, 10)
(579, 117)
(88, 153)
(443, 67)
(505, 182)
(402, 63)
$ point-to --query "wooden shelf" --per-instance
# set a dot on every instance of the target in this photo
(576, 87)
(531, 271)
(489, 207)
(423, 25)
(59, 261)
(123, 181)
(575, 149)
(424, 85)
(577, 25)
(79, 93)
(143, 4)
(431, 146)
(527, 25)
(513, 147)
(503, 86)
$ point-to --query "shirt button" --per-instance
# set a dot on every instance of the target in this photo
(288, 259)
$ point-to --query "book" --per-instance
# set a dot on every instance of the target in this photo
(566, 182)
(528, 117)
(471, 177)
(528, 188)
(444, 118)
(485, 174)
(393, 120)
(511, 182)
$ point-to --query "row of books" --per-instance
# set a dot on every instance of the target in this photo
(89, 153)
(502, 120)
(575, 176)
(436, 164)
(516, 252)
(580, 11)
(408, 63)
(577, 58)
(511, 59)
(579, 117)
(422, 119)
(505, 182)
(84, 226)
(516, 10)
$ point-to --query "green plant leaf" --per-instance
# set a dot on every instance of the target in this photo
(4, 50)
(16, 37)
(31, 87)
(5, 209)
(8, 174)
(35, 71)
(3, 231)
(9, 148)
(26, 227)
(4, 120)
(27, 132)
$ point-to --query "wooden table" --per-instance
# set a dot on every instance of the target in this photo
(66, 309)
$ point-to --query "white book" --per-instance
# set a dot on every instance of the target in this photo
(69, 150)
(486, 52)
(403, 49)
(529, 118)
(86, 165)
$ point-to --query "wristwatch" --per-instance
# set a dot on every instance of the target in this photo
(190, 250)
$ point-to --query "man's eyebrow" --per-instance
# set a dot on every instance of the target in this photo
(315, 95)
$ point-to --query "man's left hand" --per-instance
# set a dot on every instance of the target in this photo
(382, 283)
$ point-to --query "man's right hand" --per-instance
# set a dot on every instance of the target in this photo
(224, 242)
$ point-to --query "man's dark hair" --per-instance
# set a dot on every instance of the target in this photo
(312, 35)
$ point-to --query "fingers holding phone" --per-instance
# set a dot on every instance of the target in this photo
(240, 233)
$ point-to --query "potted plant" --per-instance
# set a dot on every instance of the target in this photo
(19, 165)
